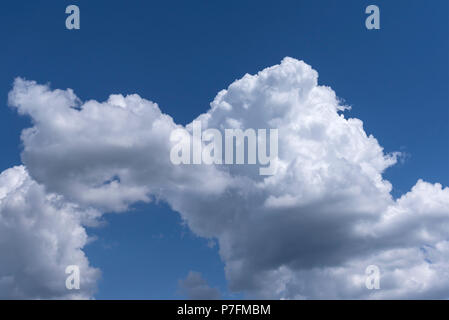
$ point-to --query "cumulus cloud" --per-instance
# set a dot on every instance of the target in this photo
(40, 235)
(108, 154)
(195, 287)
(308, 231)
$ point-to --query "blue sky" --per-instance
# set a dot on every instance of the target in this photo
(181, 53)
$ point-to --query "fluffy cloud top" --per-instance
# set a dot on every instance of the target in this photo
(106, 155)
(308, 231)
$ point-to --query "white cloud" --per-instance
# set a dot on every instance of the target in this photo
(107, 155)
(40, 235)
(309, 231)
(195, 287)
